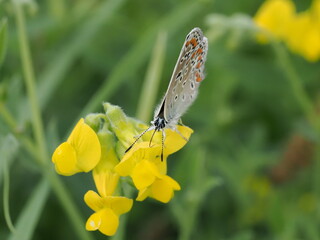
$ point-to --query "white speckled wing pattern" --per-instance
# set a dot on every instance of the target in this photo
(186, 78)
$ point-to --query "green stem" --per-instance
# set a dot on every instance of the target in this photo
(298, 90)
(56, 183)
(6, 207)
(30, 81)
(43, 155)
(26, 142)
(152, 79)
(305, 104)
(68, 205)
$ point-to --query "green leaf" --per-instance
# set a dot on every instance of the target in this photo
(9, 147)
(30, 215)
(54, 74)
(3, 39)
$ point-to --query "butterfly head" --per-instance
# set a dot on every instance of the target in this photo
(159, 123)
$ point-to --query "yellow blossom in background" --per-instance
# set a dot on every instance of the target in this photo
(299, 31)
(275, 16)
(107, 211)
(305, 37)
(143, 163)
(80, 153)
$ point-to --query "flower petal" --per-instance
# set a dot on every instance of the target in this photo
(143, 175)
(161, 191)
(65, 159)
(174, 141)
(275, 16)
(93, 200)
(143, 194)
(106, 181)
(109, 222)
(120, 205)
(105, 178)
(125, 167)
(140, 151)
(171, 182)
(94, 221)
(86, 144)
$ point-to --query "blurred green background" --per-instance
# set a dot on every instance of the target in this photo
(249, 171)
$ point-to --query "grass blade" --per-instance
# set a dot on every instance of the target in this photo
(53, 76)
(9, 147)
(3, 39)
(152, 79)
(30, 215)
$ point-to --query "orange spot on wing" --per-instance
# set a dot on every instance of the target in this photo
(199, 58)
(194, 42)
(198, 78)
(198, 65)
(199, 51)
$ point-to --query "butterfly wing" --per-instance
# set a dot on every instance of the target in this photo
(186, 77)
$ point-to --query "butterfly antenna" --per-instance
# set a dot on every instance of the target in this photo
(139, 136)
(152, 137)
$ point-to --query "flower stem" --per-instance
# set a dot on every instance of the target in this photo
(6, 186)
(68, 205)
(305, 104)
(42, 154)
(26, 142)
(152, 79)
(298, 90)
(30, 81)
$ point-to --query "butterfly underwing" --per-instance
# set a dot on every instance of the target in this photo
(183, 87)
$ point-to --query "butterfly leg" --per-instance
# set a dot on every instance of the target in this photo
(163, 136)
(177, 131)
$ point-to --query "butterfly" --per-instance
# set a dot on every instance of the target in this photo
(183, 87)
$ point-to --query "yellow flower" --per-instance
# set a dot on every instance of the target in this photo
(105, 178)
(107, 211)
(143, 163)
(304, 37)
(301, 32)
(80, 153)
(151, 183)
(275, 16)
